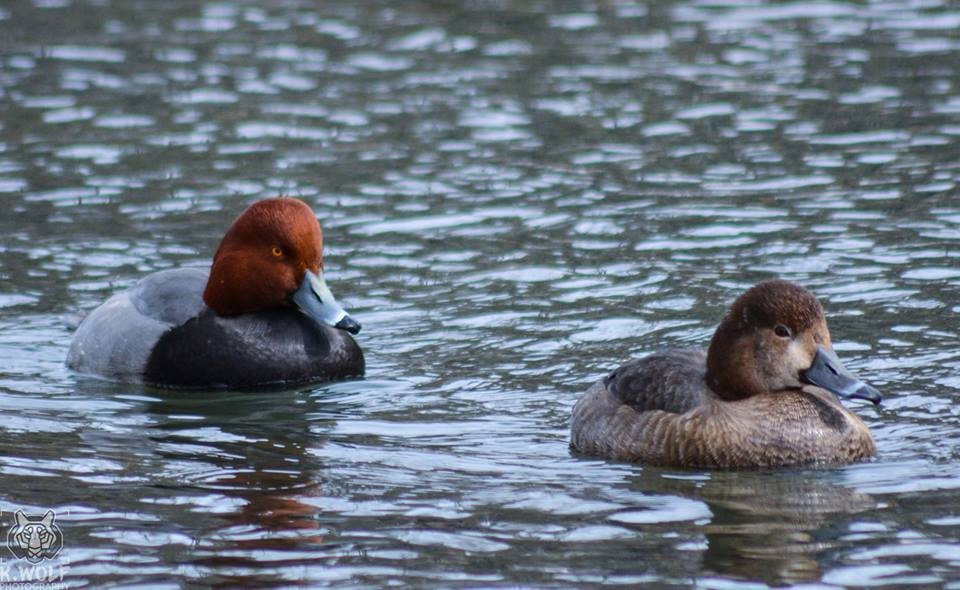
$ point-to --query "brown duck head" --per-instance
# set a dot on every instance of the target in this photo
(272, 257)
(775, 338)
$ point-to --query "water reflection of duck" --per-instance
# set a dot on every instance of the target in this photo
(762, 395)
(766, 526)
(255, 458)
(262, 314)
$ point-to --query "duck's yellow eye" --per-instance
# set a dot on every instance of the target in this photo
(277, 251)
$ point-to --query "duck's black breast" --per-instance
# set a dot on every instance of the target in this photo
(274, 347)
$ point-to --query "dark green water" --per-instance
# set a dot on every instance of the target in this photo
(517, 197)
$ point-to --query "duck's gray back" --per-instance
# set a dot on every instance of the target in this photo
(638, 412)
(171, 296)
(672, 381)
(116, 339)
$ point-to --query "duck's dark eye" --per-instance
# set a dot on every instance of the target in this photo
(782, 331)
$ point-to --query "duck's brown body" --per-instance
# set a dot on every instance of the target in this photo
(800, 427)
(763, 395)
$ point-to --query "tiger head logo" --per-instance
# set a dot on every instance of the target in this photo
(34, 538)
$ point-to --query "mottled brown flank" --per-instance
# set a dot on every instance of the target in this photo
(777, 301)
(771, 430)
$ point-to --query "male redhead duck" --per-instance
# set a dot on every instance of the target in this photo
(262, 314)
(763, 395)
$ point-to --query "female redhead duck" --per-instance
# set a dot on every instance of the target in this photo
(763, 395)
(262, 315)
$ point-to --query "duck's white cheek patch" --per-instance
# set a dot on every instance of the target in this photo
(798, 359)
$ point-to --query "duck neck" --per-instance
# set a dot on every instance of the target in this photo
(731, 372)
(231, 290)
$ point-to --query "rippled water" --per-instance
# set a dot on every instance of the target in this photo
(516, 197)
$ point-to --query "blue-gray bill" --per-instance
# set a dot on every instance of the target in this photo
(314, 298)
(829, 373)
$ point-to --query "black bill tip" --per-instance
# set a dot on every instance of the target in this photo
(349, 324)
(868, 393)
